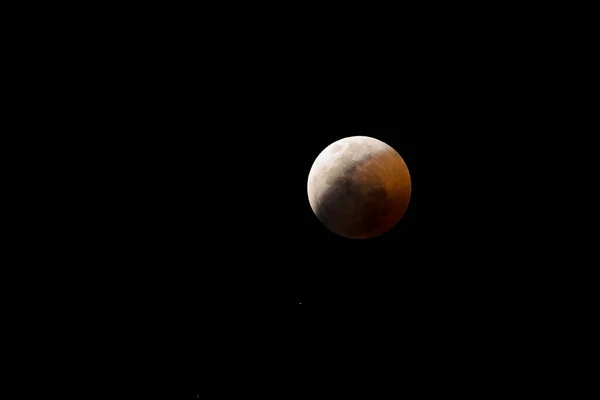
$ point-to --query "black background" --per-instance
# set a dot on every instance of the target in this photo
(224, 219)
(232, 253)
(209, 182)
(198, 204)
(217, 248)
(207, 234)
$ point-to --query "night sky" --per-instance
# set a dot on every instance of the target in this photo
(205, 222)
(220, 219)
(220, 243)
(226, 219)
(211, 190)
(236, 250)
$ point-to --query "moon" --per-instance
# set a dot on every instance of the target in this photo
(359, 187)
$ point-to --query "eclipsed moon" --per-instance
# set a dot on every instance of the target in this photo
(359, 187)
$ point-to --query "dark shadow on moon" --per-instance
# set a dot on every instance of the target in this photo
(355, 210)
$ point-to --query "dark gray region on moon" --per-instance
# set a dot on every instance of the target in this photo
(354, 210)
(351, 208)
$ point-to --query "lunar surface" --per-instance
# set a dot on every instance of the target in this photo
(359, 187)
